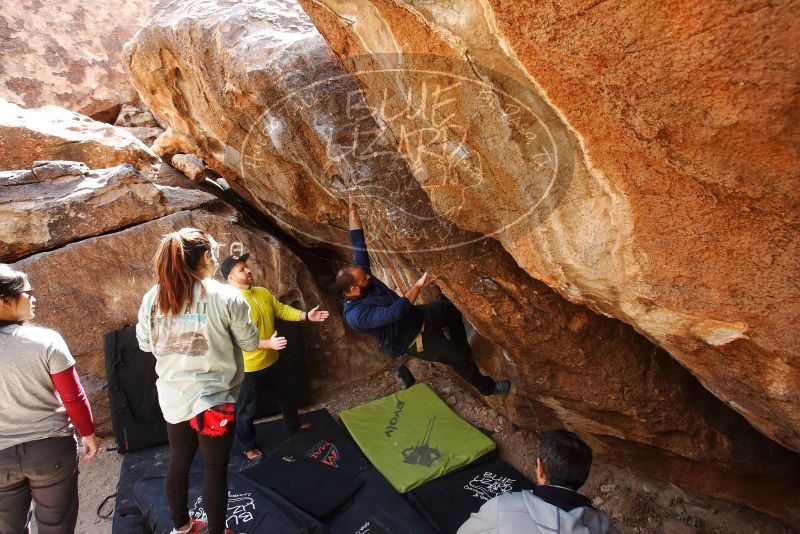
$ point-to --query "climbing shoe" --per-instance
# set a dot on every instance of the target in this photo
(404, 377)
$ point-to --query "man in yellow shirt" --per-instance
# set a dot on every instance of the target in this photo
(258, 365)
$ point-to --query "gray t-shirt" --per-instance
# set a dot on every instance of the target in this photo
(199, 352)
(31, 408)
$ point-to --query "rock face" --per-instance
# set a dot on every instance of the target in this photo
(54, 133)
(609, 149)
(497, 197)
(69, 54)
(107, 276)
(56, 203)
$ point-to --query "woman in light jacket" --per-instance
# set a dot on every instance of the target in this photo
(196, 328)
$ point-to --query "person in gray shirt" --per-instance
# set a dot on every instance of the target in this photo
(41, 398)
(554, 506)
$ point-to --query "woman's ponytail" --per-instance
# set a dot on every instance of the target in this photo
(178, 263)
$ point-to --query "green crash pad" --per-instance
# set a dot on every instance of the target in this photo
(413, 437)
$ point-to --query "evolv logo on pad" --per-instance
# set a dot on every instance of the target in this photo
(392, 426)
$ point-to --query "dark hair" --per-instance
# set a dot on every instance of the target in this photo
(565, 457)
(345, 279)
(12, 282)
(177, 264)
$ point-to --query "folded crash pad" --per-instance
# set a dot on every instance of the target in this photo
(325, 442)
(448, 501)
(131, 373)
(251, 509)
(291, 368)
(377, 508)
(412, 437)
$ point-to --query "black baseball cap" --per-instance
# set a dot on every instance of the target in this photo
(228, 263)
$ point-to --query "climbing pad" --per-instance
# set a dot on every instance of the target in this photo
(326, 442)
(413, 437)
(129, 524)
(377, 509)
(317, 487)
(448, 501)
(251, 509)
(131, 374)
(137, 465)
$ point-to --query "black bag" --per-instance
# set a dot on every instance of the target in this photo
(291, 369)
(131, 373)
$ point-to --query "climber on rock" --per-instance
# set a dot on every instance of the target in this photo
(259, 365)
(403, 327)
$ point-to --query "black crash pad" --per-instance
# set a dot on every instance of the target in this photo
(137, 465)
(150, 463)
(291, 368)
(326, 442)
(129, 524)
(317, 487)
(251, 508)
(377, 508)
(448, 501)
(131, 374)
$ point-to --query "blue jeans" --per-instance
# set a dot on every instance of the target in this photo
(266, 379)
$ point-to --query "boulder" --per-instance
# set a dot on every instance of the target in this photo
(91, 287)
(140, 122)
(254, 91)
(57, 202)
(609, 149)
(69, 54)
(54, 133)
(190, 165)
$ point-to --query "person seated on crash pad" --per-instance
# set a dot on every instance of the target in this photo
(562, 467)
(259, 369)
(403, 327)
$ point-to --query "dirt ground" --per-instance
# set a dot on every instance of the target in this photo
(635, 502)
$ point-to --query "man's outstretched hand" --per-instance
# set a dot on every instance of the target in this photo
(316, 315)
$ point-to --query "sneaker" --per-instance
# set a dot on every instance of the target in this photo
(501, 387)
(195, 527)
(404, 377)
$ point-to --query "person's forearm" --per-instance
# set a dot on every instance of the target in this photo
(412, 293)
(74, 399)
(355, 219)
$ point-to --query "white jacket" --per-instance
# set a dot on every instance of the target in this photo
(522, 512)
